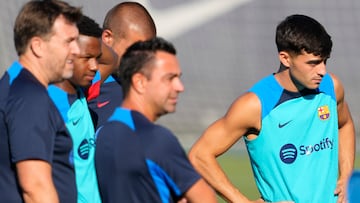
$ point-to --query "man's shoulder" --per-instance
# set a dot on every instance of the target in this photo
(330, 84)
(267, 83)
(160, 137)
(159, 129)
(12, 72)
(111, 89)
(27, 87)
(8, 77)
(29, 93)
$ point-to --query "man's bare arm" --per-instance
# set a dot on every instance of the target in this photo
(346, 141)
(35, 178)
(244, 114)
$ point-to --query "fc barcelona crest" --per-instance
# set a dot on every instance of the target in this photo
(323, 112)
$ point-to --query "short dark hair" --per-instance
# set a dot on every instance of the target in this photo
(299, 33)
(37, 17)
(137, 57)
(89, 27)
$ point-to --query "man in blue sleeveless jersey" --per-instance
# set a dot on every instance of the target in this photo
(296, 124)
(124, 24)
(35, 146)
(137, 160)
(71, 102)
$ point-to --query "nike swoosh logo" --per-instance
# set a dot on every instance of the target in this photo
(281, 125)
(102, 104)
(177, 20)
(76, 122)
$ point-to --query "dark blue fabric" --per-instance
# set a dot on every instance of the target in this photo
(9, 187)
(104, 105)
(138, 161)
(37, 132)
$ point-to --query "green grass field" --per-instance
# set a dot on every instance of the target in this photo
(238, 169)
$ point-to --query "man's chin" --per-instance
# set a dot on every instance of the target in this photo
(313, 87)
(170, 110)
(67, 74)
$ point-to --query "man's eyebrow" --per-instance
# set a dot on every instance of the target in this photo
(315, 61)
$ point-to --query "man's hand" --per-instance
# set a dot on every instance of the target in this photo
(340, 191)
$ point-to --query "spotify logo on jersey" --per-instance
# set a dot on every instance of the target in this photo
(84, 149)
(288, 153)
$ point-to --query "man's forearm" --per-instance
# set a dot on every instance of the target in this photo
(346, 150)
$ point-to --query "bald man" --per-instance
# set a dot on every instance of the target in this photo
(124, 24)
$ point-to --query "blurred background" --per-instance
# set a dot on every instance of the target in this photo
(224, 47)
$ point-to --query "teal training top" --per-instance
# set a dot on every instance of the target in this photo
(75, 112)
(295, 156)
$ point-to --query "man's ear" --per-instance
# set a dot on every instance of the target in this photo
(285, 58)
(36, 45)
(139, 82)
(107, 37)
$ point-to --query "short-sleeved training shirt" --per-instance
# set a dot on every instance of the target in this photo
(34, 130)
(138, 161)
(75, 112)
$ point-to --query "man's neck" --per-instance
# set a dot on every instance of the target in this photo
(67, 86)
(35, 68)
(137, 104)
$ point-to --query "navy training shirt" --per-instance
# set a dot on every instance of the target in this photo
(103, 99)
(138, 161)
(37, 132)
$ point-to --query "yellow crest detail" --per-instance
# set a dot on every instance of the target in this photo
(323, 112)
